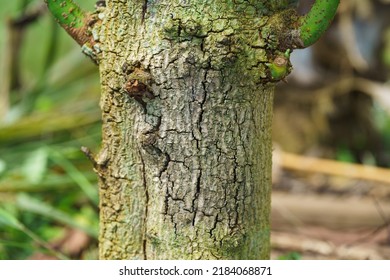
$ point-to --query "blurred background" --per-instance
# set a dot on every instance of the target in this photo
(331, 140)
(49, 108)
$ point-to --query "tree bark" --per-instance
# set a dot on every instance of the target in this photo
(185, 164)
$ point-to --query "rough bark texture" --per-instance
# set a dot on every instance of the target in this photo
(185, 166)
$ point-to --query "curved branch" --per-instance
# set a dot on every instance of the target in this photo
(316, 21)
(71, 17)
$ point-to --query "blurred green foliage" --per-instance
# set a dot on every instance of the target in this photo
(49, 108)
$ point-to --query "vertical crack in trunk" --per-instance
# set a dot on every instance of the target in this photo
(144, 10)
(198, 145)
(145, 226)
(197, 193)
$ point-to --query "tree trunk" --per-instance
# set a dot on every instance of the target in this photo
(185, 166)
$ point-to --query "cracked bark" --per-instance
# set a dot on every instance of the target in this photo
(187, 173)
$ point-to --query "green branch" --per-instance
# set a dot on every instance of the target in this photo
(69, 15)
(314, 24)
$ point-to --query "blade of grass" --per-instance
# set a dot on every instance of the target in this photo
(34, 166)
(89, 189)
(6, 218)
(10, 220)
(50, 182)
(35, 126)
(27, 203)
(21, 245)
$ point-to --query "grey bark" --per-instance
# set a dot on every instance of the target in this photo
(185, 165)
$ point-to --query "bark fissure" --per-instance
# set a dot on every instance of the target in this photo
(145, 228)
(194, 207)
(144, 10)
